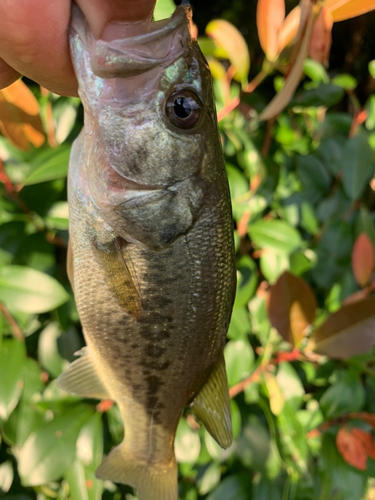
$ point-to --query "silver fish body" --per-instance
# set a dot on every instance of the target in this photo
(152, 257)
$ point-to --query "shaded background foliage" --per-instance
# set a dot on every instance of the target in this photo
(299, 355)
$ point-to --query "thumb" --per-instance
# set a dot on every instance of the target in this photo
(99, 13)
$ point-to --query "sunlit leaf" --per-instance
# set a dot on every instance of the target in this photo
(230, 39)
(49, 165)
(6, 476)
(346, 9)
(239, 360)
(275, 234)
(20, 121)
(187, 443)
(51, 450)
(163, 9)
(270, 17)
(12, 357)
(48, 353)
(289, 28)
(30, 291)
(363, 259)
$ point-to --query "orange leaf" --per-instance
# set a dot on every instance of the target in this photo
(351, 448)
(289, 29)
(270, 17)
(363, 259)
(346, 9)
(227, 37)
(321, 37)
(283, 97)
(20, 121)
(291, 307)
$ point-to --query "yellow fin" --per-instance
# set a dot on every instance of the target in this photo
(120, 278)
(150, 482)
(212, 406)
(69, 265)
(81, 378)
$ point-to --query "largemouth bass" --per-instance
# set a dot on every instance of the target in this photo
(151, 256)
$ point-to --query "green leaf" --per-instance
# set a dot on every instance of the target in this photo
(275, 234)
(164, 9)
(210, 478)
(346, 81)
(338, 480)
(30, 291)
(313, 173)
(272, 264)
(29, 416)
(290, 385)
(49, 165)
(239, 325)
(253, 446)
(232, 488)
(247, 281)
(325, 95)
(48, 353)
(371, 68)
(52, 448)
(345, 396)
(315, 71)
(81, 474)
(370, 108)
(12, 360)
(365, 224)
(239, 360)
(357, 165)
(187, 443)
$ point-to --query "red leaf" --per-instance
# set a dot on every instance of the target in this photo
(367, 442)
(321, 37)
(351, 448)
(270, 17)
(291, 307)
(363, 259)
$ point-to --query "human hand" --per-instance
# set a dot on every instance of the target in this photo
(34, 37)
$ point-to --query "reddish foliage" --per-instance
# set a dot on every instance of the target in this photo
(355, 446)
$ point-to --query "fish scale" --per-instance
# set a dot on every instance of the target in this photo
(151, 255)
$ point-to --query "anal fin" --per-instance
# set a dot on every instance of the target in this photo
(212, 406)
(81, 378)
(150, 482)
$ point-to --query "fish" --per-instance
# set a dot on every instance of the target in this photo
(151, 255)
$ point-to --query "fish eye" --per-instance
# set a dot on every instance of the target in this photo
(184, 109)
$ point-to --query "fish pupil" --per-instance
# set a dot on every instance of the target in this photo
(182, 107)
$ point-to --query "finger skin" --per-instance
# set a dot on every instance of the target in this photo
(7, 75)
(34, 37)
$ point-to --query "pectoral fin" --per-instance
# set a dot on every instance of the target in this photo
(212, 406)
(81, 378)
(120, 278)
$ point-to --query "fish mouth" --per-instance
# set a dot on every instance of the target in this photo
(161, 43)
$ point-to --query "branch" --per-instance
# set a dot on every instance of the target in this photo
(16, 330)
